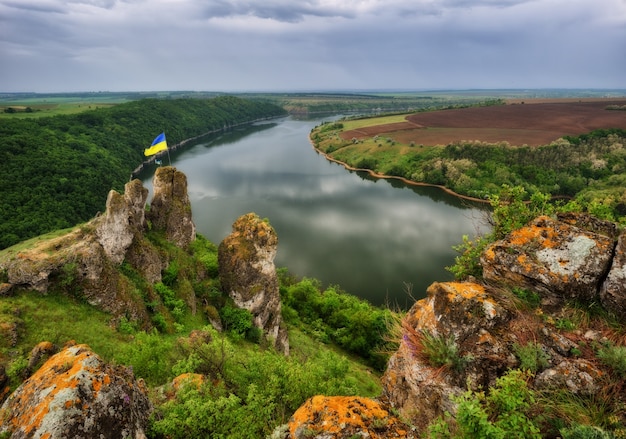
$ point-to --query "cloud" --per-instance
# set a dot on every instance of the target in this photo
(311, 44)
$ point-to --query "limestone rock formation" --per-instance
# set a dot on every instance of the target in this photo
(344, 417)
(75, 394)
(123, 220)
(613, 291)
(170, 209)
(487, 331)
(88, 256)
(484, 330)
(555, 258)
(248, 275)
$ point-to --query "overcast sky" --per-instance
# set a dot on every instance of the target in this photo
(287, 45)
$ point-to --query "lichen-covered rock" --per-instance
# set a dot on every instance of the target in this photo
(123, 220)
(465, 314)
(75, 394)
(561, 261)
(170, 209)
(590, 223)
(338, 417)
(480, 334)
(579, 376)
(613, 291)
(248, 275)
(43, 350)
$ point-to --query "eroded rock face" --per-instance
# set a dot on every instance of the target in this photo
(613, 291)
(75, 394)
(486, 330)
(471, 317)
(339, 417)
(555, 258)
(248, 275)
(170, 209)
(123, 220)
(88, 257)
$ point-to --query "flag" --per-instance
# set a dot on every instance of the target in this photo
(159, 144)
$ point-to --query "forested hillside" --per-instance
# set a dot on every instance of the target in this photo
(57, 171)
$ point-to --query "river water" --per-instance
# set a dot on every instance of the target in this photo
(377, 239)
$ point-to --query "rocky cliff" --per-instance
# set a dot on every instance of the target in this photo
(88, 257)
(75, 393)
(248, 275)
(519, 316)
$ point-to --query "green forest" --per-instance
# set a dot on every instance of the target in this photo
(57, 171)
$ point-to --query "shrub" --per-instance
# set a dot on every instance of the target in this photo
(240, 322)
(150, 355)
(174, 304)
(468, 263)
(531, 357)
(615, 358)
(170, 274)
(502, 414)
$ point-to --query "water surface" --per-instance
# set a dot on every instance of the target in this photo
(377, 239)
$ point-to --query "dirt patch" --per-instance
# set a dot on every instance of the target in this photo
(529, 123)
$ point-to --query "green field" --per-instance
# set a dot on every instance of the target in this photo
(33, 107)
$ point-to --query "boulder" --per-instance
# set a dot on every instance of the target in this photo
(578, 376)
(559, 260)
(248, 275)
(75, 394)
(343, 417)
(170, 209)
(481, 333)
(469, 317)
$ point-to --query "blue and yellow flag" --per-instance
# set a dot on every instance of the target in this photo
(159, 144)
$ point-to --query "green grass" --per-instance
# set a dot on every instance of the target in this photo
(367, 379)
(10, 252)
(58, 319)
(55, 105)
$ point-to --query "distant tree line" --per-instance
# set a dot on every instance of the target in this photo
(57, 171)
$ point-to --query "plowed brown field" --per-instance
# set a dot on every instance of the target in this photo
(527, 123)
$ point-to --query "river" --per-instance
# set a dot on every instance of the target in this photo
(378, 239)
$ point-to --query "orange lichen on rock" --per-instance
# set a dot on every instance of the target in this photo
(468, 291)
(70, 362)
(194, 379)
(423, 315)
(536, 232)
(465, 290)
(345, 416)
(74, 394)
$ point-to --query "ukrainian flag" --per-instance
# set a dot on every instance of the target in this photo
(159, 144)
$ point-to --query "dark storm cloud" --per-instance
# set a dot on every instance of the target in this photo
(290, 12)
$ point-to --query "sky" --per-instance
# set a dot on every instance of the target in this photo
(310, 45)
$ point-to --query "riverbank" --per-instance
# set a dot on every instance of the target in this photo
(183, 143)
(395, 177)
